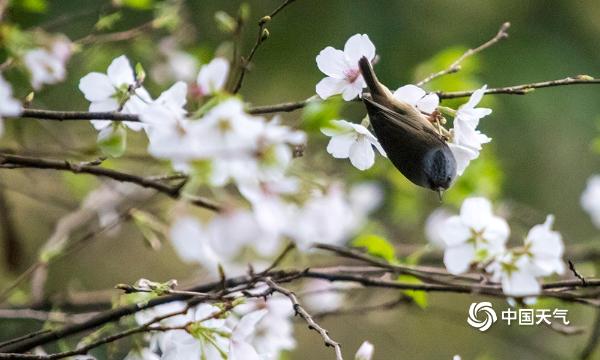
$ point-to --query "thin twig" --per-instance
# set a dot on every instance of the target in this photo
(312, 324)
(577, 275)
(16, 161)
(116, 36)
(525, 88)
(263, 35)
(455, 66)
(24, 337)
(106, 340)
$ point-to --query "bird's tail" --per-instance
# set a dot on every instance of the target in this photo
(376, 88)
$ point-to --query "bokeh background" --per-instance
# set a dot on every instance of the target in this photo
(541, 155)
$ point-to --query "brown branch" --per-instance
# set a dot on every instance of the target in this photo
(106, 340)
(263, 35)
(576, 274)
(77, 115)
(43, 316)
(525, 88)
(559, 289)
(312, 324)
(455, 66)
(116, 36)
(9, 161)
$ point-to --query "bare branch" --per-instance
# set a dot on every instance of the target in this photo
(263, 34)
(9, 161)
(312, 324)
(525, 88)
(455, 66)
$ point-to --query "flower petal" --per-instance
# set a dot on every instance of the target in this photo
(463, 155)
(476, 213)
(410, 94)
(331, 86)
(362, 155)
(332, 63)
(339, 145)
(458, 258)
(358, 46)
(429, 103)
(96, 87)
(453, 231)
(120, 72)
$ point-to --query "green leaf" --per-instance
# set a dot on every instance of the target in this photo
(107, 22)
(37, 6)
(418, 296)
(113, 140)
(138, 4)
(376, 246)
(318, 114)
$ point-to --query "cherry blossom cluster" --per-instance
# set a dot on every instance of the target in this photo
(356, 142)
(250, 329)
(330, 217)
(476, 238)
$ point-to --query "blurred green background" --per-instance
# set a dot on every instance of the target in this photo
(540, 157)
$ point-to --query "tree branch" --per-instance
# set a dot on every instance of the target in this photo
(263, 35)
(455, 66)
(312, 324)
(9, 161)
(525, 88)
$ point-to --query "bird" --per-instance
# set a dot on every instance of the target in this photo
(412, 143)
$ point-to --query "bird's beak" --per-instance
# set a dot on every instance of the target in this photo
(440, 192)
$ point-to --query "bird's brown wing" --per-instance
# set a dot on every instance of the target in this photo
(402, 120)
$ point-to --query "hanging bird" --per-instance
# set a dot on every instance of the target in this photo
(409, 138)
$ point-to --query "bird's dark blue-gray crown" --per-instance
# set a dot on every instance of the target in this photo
(440, 168)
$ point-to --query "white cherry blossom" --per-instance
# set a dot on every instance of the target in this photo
(545, 249)
(590, 199)
(365, 351)
(434, 227)
(9, 106)
(240, 347)
(417, 97)
(111, 91)
(475, 234)
(518, 269)
(353, 141)
(516, 275)
(142, 354)
(274, 332)
(213, 76)
(341, 68)
(466, 140)
(192, 242)
(178, 65)
(326, 217)
(48, 66)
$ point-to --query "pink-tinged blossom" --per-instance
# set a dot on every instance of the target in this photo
(341, 68)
